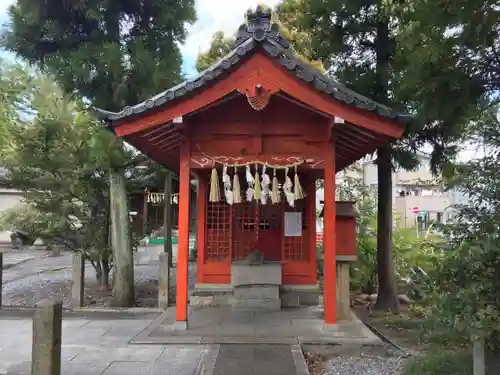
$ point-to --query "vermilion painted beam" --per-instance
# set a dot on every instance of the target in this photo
(154, 131)
(181, 309)
(330, 237)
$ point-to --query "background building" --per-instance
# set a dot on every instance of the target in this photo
(416, 190)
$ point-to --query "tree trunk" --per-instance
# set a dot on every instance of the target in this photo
(98, 271)
(123, 287)
(387, 291)
(105, 274)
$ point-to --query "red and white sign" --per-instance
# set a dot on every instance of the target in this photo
(415, 210)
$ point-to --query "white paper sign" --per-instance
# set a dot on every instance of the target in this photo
(293, 224)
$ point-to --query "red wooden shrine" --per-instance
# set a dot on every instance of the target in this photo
(258, 104)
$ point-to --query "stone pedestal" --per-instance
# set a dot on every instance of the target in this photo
(163, 281)
(78, 279)
(258, 274)
(47, 333)
(256, 287)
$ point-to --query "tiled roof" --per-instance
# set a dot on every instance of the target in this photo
(259, 34)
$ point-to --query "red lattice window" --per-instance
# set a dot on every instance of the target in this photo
(296, 248)
(244, 229)
(218, 230)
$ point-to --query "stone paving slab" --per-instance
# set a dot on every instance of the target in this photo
(225, 326)
(254, 360)
(96, 347)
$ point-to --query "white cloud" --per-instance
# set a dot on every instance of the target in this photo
(214, 15)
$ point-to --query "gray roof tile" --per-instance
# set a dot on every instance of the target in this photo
(259, 33)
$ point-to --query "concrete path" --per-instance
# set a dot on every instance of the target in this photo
(258, 360)
(95, 347)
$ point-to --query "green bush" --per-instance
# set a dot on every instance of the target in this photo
(440, 363)
(411, 256)
(467, 280)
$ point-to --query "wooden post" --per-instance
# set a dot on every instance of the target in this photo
(183, 242)
(479, 357)
(123, 257)
(78, 278)
(167, 217)
(330, 266)
(145, 214)
(47, 334)
(343, 291)
(163, 281)
(1, 277)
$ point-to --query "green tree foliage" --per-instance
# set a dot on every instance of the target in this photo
(219, 47)
(360, 44)
(222, 44)
(59, 159)
(113, 53)
(13, 80)
(467, 280)
(355, 43)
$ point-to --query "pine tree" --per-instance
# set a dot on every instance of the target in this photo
(113, 53)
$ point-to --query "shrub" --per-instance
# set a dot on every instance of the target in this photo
(440, 363)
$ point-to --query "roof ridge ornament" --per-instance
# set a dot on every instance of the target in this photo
(260, 28)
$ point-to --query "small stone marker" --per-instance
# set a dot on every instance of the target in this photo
(47, 333)
(1, 280)
(485, 360)
(478, 355)
(78, 276)
(343, 291)
(163, 281)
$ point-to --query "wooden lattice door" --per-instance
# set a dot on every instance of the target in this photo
(244, 225)
(259, 227)
(269, 237)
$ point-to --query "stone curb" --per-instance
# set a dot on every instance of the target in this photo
(27, 312)
(206, 366)
(6, 266)
(143, 336)
(121, 310)
(300, 362)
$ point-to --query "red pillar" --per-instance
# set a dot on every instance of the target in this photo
(329, 233)
(183, 240)
(201, 237)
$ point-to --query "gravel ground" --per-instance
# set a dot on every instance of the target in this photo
(365, 365)
(44, 277)
(352, 360)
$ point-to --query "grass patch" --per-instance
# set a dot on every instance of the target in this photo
(421, 333)
(441, 363)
